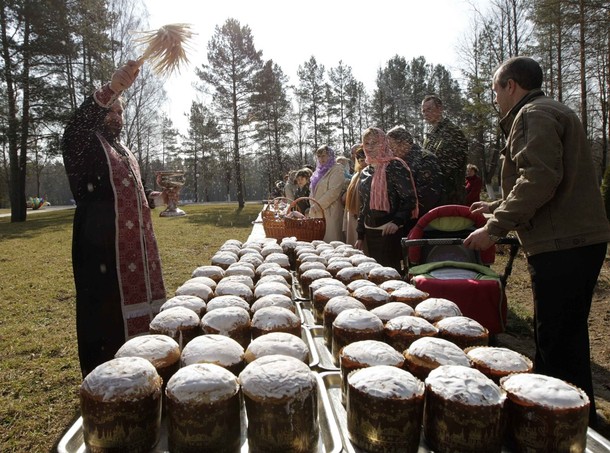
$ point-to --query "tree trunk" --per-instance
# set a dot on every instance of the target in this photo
(239, 184)
(583, 69)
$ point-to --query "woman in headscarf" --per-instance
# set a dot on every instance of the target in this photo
(388, 199)
(352, 197)
(325, 186)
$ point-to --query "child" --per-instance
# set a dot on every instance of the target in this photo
(302, 189)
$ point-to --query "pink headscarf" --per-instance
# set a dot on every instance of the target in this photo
(382, 156)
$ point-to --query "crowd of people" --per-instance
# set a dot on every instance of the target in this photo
(372, 199)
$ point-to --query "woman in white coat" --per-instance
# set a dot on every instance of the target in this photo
(326, 185)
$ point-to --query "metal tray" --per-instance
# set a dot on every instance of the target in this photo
(324, 355)
(305, 312)
(297, 293)
(328, 442)
(314, 357)
(331, 380)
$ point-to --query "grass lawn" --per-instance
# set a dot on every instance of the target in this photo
(39, 367)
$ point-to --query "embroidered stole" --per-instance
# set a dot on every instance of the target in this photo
(137, 257)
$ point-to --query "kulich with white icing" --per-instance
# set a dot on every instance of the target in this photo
(269, 288)
(256, 259)
(349, 274)
(392, 285)
(434, 309)
(195, 287)
(277, 378)
(463, 331)
(335, 266)
(464, 410)
(408, 294)
(278, 271)
(203, 409)
(309, 265)
(412, 325)
(272, 278)
(280, 258)
(229, 280)
(391, 310)
(281, 399)
(496, 362)
(223, 259)
(371, 296)
(275, 319)
(383, 274)
(353, 286)
(159, 350)
(273, 300)
(465, 385)
(332, 308)
(191, 302)
(428, 353)
(384, 409)
(322, 295)
(545, 413)
(439, 351)
(180, 323)
(122, 379)
(388, 382)
(354, 324)
(120, 402)
(225, 320)
(281, 343)
(238, 268)
(370, 353)
(461, 325)
(202, 383)
(233, 322)
(220, 350)
(227, 301)
(544, 391)
(326, 281)
(234, 288)
(401, 331)
(357, 319)
(214, 272)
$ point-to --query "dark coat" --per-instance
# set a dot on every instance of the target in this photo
(401, 196)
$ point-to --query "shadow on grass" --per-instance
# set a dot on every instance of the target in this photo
(517, 325)
(36, 224)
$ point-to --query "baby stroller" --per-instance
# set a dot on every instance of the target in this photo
(437, 262)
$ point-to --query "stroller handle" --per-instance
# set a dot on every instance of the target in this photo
(450, 241)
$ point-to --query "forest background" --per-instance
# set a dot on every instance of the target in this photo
(256, 125)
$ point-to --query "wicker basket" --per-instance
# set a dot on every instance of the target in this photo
(306, 228)
(273, 217)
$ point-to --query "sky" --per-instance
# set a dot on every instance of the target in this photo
(364, 35)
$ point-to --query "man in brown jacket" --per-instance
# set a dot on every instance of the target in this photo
(550, 197)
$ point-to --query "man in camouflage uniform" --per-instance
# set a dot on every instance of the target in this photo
(450, 146)
(424, 166)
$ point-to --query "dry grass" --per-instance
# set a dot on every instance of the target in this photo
(39, 367)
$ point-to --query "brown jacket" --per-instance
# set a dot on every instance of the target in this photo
(550, 194)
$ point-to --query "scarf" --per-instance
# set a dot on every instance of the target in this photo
(321, 170)
(379, 159)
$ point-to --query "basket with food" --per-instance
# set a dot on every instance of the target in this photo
(301, 226)
(273, 217)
